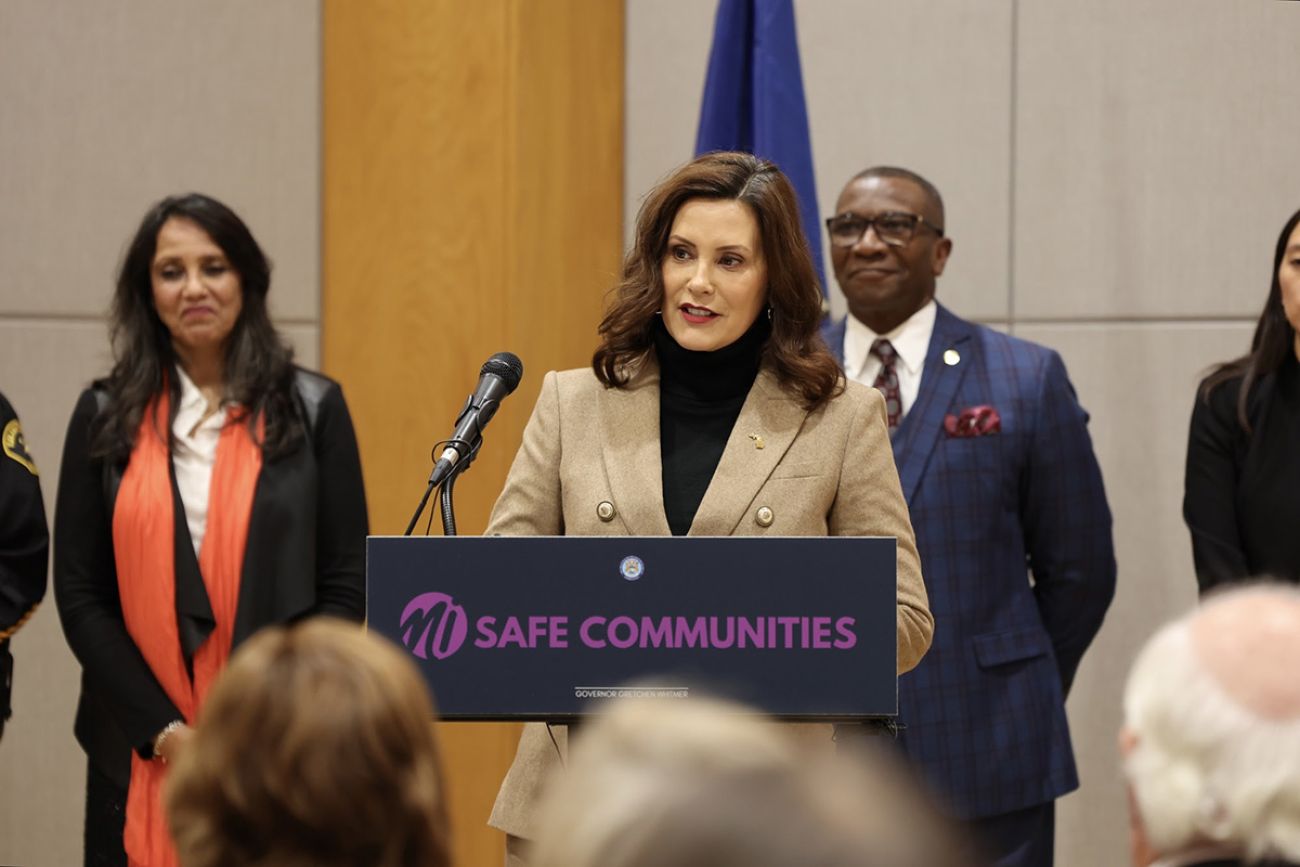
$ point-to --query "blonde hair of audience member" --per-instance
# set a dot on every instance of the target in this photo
(1212, 728)
(705, 784)
(316, 747)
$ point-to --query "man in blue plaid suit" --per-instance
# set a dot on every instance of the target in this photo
(995, 459)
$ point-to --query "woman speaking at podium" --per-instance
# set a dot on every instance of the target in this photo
(711, 408)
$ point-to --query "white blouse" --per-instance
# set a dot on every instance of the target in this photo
(194, 452)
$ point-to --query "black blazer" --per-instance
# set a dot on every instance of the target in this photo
(305, 555)
(1240, 492)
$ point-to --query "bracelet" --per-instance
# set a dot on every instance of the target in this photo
(164, 734)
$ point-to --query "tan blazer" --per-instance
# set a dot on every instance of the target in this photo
(784, 472)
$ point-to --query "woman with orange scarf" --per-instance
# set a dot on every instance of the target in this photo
(209, 487)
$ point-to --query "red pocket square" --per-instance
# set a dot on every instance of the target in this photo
(974, 421)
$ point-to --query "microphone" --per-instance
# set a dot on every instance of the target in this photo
(498, 378)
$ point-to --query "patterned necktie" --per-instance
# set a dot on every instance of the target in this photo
(887, 380)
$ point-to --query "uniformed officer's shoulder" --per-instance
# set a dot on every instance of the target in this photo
(13, 445)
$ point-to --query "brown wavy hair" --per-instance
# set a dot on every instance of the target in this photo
(315, 747)
(794, 351)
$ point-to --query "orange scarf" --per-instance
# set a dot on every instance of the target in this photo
(144, 546)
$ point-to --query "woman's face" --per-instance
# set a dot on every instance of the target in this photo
(196, 290)
(715, 278)
(1288, 277)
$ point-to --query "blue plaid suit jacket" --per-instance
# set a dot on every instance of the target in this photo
(985, 710)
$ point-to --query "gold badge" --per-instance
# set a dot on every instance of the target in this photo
(16, 447)
(758, 441)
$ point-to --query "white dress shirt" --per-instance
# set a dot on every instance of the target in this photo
(194, 452)
(911, 341)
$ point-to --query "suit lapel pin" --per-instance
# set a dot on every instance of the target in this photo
(951, 357)
(758, 441)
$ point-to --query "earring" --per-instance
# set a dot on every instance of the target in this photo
(769, 314)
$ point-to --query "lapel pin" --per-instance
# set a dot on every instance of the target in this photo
(758, 441)
(951, 357)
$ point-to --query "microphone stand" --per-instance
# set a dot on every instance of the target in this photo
(448, 512)
(447, 483)
(419, 510)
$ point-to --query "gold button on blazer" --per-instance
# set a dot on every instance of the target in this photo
(831, 471)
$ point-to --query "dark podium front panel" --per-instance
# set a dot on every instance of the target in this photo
(544, 628)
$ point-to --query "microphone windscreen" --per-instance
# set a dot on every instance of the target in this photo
(507, 366)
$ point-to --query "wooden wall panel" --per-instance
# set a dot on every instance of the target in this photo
(472, 201)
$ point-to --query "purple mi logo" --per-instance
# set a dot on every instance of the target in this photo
(433, 626)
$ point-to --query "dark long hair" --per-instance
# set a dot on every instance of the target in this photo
(1274, 339)
(258, 366)
(794, 349)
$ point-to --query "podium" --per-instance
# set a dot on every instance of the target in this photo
(545, 628)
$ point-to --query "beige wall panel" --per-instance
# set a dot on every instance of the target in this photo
(472, 204)
(1138, 382)
(110, 106)
(305, 340)
(881, 81)
(1155, 155)
(43, 367)
(924, 85)
(667, 56)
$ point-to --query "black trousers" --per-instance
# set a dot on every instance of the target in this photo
(105, 820)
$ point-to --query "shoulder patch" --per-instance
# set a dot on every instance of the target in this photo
(15, 446)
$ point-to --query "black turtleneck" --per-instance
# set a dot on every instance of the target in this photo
(700, 396)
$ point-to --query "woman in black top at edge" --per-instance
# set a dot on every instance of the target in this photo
(1243, 471)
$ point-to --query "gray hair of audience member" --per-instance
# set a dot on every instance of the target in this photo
(1212, 726)
(708, 784)
(315, 747)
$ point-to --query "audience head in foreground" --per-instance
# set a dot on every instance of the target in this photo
(316, 747)
(1211, 733)
(703, 784)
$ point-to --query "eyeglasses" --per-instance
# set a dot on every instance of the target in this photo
(894, 228)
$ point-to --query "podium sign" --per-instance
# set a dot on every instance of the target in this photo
(544, 628)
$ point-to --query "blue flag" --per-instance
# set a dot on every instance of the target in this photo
(753, 100)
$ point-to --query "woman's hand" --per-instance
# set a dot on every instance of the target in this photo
(172, 742)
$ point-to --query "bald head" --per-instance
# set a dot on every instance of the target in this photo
(1249, 643)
